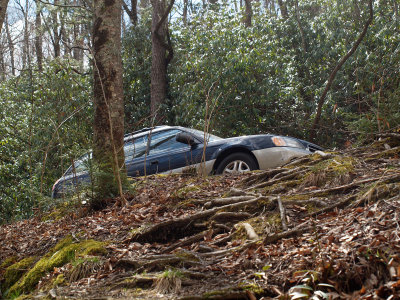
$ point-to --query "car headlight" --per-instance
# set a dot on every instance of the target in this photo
(281, 141)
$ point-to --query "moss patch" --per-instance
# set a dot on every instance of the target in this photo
(14, 272)
(181, 193)
(8, 262)
(334, 171)
(255, 288)
(60, 280)
(65, 251)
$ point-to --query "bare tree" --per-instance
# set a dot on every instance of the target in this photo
(108, 148)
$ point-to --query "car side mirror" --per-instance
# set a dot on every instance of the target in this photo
(186, 138)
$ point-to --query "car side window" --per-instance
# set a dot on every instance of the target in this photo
(135, 148)
(165, 141)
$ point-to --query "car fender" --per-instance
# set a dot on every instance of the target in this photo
(226, 150)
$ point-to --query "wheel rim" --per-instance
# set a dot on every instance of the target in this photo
(236, 166)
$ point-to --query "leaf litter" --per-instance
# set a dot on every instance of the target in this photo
(188, 237)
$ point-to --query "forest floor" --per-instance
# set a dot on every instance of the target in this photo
(325, 226)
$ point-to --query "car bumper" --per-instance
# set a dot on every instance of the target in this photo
(277, 156)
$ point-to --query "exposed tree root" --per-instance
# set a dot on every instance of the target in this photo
(259, 227)
(287, 234)
(260, 176)
(225, 201)
(230, 216)
(289, 175)
(160, 264)
(283, 214)
(353, 185)
(178, 228)
(190, 240)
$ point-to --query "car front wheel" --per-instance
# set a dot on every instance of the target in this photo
(236, 163)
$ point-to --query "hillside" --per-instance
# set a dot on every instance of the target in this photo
(326, 225)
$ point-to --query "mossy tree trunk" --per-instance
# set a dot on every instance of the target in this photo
(108, 148)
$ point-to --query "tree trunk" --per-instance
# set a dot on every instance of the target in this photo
(56, 33)
(38, 38)
(283, 8)
(185, 11)
(2, 64)
(3, 9)
(248, 13)
(108, 147)
(10, 47)
(26, 49)
(132, 12)
(159, 63)
(337, 68)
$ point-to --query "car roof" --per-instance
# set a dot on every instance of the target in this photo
(145, 131)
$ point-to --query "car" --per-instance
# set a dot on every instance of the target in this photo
(171, 149)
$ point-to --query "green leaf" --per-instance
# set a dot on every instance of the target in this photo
(266, 267)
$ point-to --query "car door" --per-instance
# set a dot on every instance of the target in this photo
(135, 154)
(166, 154)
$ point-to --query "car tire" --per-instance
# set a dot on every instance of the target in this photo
(236, 163)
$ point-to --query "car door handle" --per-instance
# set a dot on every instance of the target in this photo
(154, 162)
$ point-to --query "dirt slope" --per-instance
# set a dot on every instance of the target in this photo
(326, 225)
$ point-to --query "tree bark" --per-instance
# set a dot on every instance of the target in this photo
(2, 64)
(160, 45)
(132, 12)
(10, 48)
(108, 147)
(283, 8)
(3, 10)
(38, 37)
(185, 11)
(26, 49)
(248, 13)
(337, 68)
(56, 33)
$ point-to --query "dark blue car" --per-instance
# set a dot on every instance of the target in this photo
(171, 149)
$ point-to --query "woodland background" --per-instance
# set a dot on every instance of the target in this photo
(258, 66)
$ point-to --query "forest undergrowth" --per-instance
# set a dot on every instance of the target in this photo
(323, 226)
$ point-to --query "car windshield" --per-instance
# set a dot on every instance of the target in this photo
(209, 137)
